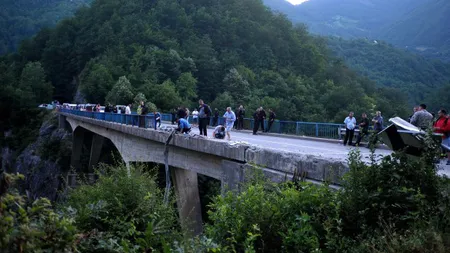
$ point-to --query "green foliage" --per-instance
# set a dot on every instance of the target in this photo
(95, 82)
(186, 86)
(33, 88)
(177, 51)
(21, 19)
(121, 93)
(274, 218)
(31, 227)
(392, 67)
(122, 212)
(163, 95)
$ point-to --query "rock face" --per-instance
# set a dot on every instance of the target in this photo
(45, 161)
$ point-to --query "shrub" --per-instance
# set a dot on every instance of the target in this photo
(122, 213)
(31, 227)
(271, 218)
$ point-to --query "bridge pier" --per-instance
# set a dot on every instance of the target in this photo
(96, 149)
(188, 200)
(62, 122)
(77, 149)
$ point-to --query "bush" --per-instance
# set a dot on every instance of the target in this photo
(271, 218)
(390, 206)
(122, 213)
(31, 227)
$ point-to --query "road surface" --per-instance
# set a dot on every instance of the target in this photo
(329, 150)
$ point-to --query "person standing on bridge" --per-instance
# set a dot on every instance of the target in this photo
(181, 114)
(157, 118)
(204, 112)
(240, 118)
(272, 117)
(230, 118)
(128, 109)
(442, 126)
(422, 118)
(216, 117)
(363, 128)
(261, 117)
(143, 113)
(255, 121)
(173, 113)
(350, 124)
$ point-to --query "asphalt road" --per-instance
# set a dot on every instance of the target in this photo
(330, 150)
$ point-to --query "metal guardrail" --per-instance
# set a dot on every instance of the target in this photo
(147, 121)
(312, 129)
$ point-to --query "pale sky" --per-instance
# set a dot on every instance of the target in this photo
(296, 1)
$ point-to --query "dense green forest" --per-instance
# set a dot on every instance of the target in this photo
(418, 25)
(174, 52)
(21, 19)
(415, 75)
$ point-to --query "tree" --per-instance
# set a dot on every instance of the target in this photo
(237, 86)
(96, 81)
(33, 88)
(222, 101)
(121, 93)
(164, 95)
(186, 86)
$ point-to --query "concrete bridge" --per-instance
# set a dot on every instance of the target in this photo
(192, 154)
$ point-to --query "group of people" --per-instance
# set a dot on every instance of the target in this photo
(202, 116)
(363, 126)
(420, 118)
(259, 117)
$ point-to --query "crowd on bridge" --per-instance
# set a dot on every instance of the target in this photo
(420, 118)
(204, 116)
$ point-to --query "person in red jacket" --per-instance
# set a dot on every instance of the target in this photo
(443, 126)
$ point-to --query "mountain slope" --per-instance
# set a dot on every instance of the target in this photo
(425, 29)
(392, 67)
(174, 52)
(419, 25)
(20, 19)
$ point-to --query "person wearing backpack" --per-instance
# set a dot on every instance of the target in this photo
(443, 126)
(204, 113)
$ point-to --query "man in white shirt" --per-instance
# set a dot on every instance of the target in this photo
(230, 118)
(350, 124)
(128, 109)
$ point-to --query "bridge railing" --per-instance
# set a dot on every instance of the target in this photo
(147, 121)
(312, 129)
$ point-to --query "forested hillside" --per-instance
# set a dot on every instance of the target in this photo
(418, 25)
(174, 52)
(392, 67)
(20, 19)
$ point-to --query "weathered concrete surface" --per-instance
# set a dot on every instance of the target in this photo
(207, 156)
(312, 167)
(188, 200)
(96, 149)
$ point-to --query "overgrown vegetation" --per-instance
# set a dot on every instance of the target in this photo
(398, 204)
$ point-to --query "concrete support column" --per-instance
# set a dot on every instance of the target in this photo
(96, 149)
(188, 200)
(77, 148)
(232, 176)
(62, 123)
